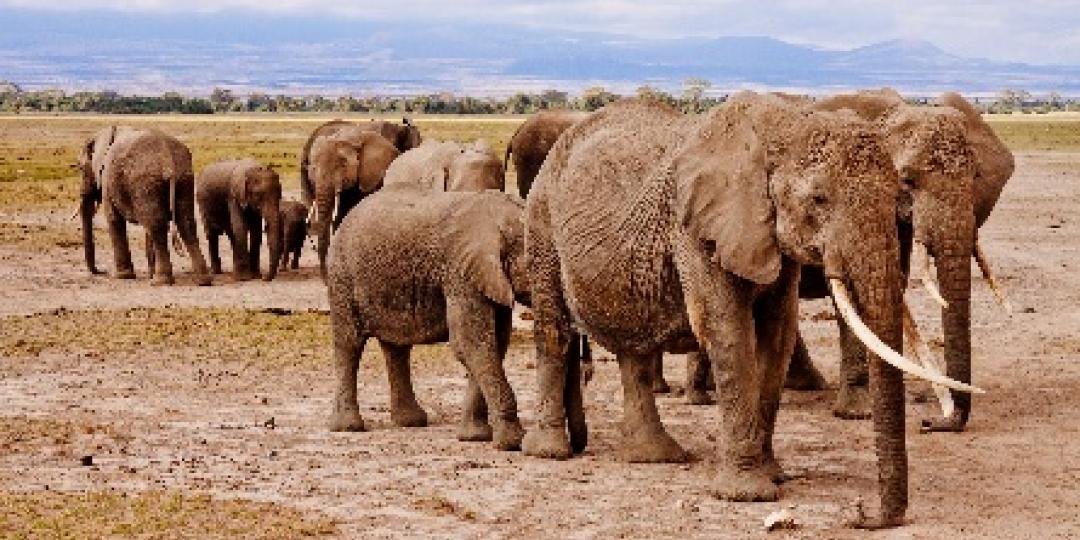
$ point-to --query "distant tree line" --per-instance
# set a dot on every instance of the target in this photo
(694, 97)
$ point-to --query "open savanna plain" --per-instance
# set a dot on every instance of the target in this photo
(135, 411)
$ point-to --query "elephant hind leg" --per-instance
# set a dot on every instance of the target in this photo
(150, 253)
(348, 348)
(159, 234)
(645, 439)
(404, 409)
(124, 269)
(697, 375)
(659, 384)
(474, 422)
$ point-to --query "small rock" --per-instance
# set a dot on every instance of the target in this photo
(87, 461)
(782, 519)
(270, 424)
(686, 506)
(1029, 310)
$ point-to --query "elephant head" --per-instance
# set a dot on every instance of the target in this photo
(347, 161)
(476, 168)
(763, 179)
(257, 186)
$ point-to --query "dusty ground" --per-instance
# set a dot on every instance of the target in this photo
(208, 393)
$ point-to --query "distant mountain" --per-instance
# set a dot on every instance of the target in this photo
(193, 53)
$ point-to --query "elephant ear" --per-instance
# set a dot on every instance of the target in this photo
(350, 158)
(476, 247)
(722, 186)
(240, 186)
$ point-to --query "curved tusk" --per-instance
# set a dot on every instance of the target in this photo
(984, 266)
(920, 259)
(921, 353)
(876, 346)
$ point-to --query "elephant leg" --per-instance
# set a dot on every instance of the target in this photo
(853, 399)
(776, 318)
(404, 409)
(802, 373)
(474, 421)
(213, 238)
(163, 271)
(186, 227)
(659, 383)
(255, 236)
(239, 238)
(348, 348)
(296, 259)
(697, 375)
(573, 400)
(644, 438)
(121, 249)
(148, 246)
(474, 340)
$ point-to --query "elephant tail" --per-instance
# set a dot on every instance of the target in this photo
(174, 234)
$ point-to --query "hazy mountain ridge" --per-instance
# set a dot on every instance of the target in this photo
(138, 53)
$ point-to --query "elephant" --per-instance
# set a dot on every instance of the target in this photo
(953, 168)
(294, 229)
(461, 257)
(659, 232)
(235, 198)
(449, 166)
(533, 140)
(404, 137)
(143, 177)
(345, 166)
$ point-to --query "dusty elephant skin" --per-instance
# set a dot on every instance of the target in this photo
(143, 177)
(448, 166)
(953, 169)
(655, 232)
(294, 230)
(235, 197)
(344, 166)
(462, 257)
(533, 141)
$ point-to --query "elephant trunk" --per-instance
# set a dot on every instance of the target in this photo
(952, 257)
(874, 274)
(87, 208)
(274, 239)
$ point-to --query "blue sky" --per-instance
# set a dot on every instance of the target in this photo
(1033, 31)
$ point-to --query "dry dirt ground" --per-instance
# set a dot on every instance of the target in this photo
(209, 392)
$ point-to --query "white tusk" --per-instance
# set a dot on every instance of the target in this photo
(920, 260)
(984, 266)
(876, 346)
(921, 353)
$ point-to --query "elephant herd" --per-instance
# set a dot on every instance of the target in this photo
(648, 230)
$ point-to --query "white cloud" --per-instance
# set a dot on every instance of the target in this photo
(1037, 31)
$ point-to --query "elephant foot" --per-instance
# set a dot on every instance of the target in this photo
(160, 279)
(216, 270)
(775, 471)
(508, 436)
(805, 378)
(412, 416)
(243, 276)
(653, 447)
(699, 397)
(94, 271)
(954, 423)
(873, 523)
(852, 402)
(203, 280)
(474, 431)
(660, 386)
(125, 274)
(547, 443)
(268, 277)
(746, 485)
(347, 421)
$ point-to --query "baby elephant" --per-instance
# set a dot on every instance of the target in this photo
(412, 266)
(294, 215)
(234, 198)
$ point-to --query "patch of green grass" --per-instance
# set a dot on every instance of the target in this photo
(269, 339)
(1046, 134)
(155, 514)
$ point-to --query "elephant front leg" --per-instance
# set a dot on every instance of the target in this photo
(776, 317)
(474, 420)
(405, 411)
(255, 236)
(148, 247)
(348, 348)
(213, 238)
(644, 438)
(802, 374)
(659, 384)
(474, 340)
(698, 373)
(124, 269)
(239, 237)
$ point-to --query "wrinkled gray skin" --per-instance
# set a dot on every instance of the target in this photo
(343, 167)
(294, 229)
(461, 257)
(533, 140)
(953, 168)
(235, 198)
(448, 166)
(143, 177)
(655, 232)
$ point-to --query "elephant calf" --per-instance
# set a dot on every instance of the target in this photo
(294, 226)
(234, 197)
(411, 266)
